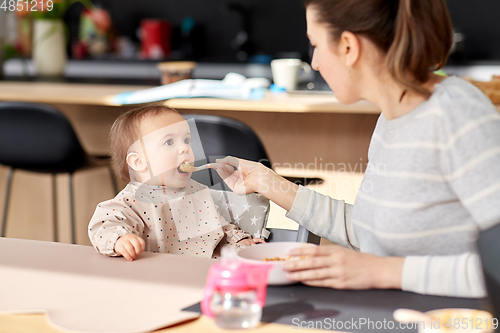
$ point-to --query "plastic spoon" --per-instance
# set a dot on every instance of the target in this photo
(186, 167)
(408, 315)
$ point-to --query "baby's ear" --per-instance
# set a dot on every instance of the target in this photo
(136, 162)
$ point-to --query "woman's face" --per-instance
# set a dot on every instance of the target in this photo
(328, 58)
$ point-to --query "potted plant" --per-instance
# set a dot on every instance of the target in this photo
(49, 34)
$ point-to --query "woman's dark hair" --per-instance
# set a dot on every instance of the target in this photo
(415, 35)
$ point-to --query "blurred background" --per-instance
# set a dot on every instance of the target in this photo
(215, 31)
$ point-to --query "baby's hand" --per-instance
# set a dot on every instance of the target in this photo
(129, 246)
(250, 242)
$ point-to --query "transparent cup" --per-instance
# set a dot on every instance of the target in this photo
(236, 310)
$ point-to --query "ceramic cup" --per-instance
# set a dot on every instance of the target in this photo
(286, 72)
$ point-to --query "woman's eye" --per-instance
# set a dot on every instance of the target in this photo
(169, 142)
(187, 141)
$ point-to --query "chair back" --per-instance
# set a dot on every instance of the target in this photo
(302, 235)
(249, 212)
(488, 245)
(223, 137)
(38, 137)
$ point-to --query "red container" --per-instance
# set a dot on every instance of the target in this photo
(155, 38)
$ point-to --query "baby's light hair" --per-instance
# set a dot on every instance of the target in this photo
(126, 130)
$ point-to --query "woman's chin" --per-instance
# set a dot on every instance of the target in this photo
(346, 100)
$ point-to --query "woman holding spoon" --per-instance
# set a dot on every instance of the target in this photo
(414, 223)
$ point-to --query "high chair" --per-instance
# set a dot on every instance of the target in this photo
(221, 137)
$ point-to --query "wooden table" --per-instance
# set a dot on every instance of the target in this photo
(37, 323)
(70, 280)
(86, 291)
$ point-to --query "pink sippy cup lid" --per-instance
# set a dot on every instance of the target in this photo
(234, 275)
(231, 275)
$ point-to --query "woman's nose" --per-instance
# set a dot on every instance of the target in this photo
(314, 64)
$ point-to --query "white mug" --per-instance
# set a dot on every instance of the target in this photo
(286, 72)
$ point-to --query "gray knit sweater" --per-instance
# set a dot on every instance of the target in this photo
(432, 182)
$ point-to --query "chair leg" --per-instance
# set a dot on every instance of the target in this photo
(54, 207)
(7, 199)
(113, 180)
(72, 209)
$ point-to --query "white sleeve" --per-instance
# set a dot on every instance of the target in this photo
(324, 216)
(457, 276)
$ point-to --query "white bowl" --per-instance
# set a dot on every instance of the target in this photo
(467, 321)
(255, 254)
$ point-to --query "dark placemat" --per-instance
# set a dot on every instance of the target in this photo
(348, 310)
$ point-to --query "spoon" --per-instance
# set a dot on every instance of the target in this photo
(408, 315)
(186, 167)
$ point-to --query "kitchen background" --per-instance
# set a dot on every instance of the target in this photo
(244, 31)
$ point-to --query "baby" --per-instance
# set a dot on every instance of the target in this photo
(161, 209)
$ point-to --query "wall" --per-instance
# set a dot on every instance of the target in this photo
(479, 20)
(276, 25)
(279, 25)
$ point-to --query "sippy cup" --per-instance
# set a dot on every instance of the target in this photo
(235, 292)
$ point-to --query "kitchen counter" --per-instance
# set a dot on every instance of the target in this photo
(102, 94)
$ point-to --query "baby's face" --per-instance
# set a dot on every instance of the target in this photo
(167, 145)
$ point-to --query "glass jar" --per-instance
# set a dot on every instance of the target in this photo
(236, 309)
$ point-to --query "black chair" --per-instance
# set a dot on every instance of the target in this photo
(302, 235)
(39, 138)
(221, 137)
(489, 249)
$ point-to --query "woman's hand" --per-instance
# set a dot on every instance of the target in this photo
(251, 241)
(337, 267)
(129, 246)
(240, 175)
(244, 177)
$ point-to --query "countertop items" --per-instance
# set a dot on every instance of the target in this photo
(234, 86)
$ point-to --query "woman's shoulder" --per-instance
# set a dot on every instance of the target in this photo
(455, 94)
(459, 103)
(463, 108)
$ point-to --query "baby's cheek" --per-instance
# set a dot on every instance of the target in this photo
(167, 165)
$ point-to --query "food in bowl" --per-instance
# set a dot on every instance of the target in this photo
(460, 320)
(273, 252)
(285, 259)
(276, 259)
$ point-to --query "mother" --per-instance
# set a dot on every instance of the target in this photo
(414, 223)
